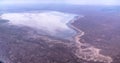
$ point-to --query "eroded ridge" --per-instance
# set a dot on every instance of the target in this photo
(86, 51)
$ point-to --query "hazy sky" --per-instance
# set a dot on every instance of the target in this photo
(88, 2)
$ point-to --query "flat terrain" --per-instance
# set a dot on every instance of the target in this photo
(24, 45)
(102, 31)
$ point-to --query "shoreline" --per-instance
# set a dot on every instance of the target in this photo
(89, 52)
(92, 52)
(69, 24)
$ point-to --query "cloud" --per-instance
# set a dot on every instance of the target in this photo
(53, 23)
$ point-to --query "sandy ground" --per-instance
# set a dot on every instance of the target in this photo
(84, 50)
(89, 52)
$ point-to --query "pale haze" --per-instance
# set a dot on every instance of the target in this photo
(75, 2)
(45, 21)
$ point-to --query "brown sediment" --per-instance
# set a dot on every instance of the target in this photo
(89, 52)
